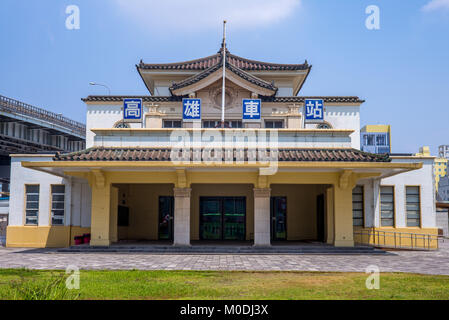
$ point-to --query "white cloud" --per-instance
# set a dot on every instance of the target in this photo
(203, 14)
(436, 5)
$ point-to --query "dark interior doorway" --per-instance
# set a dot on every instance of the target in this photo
(278, 209)
(166, 210)
(320, 217)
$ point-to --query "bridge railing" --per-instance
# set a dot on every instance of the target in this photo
(21, 108)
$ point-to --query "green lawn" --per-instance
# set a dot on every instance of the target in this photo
(27, 284)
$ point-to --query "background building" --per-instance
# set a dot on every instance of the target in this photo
(376, 138)
(26, 129)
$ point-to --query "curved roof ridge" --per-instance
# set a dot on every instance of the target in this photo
(237, 61)
(303, 66)
(182, 63)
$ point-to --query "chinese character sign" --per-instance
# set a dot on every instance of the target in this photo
(314, 110)
(132, 110)
(191, 109)
(251, 109)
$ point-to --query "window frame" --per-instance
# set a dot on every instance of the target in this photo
(394, 206)
(229, 121)
(363, 206)
(274, 120)
(51, 205)
(420, 205)
(172, 121)
(25, 223)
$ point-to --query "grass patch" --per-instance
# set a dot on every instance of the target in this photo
(222, 285)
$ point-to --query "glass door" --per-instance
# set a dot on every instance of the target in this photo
(234, 218)
(278, 210)
(210, 219)
(166, 208)
(222, 218)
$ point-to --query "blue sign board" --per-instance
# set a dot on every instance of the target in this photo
(314, 110)
(132, 110)
(251, 110)
(191, 109)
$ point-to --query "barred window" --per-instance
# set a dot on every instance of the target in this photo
(413, 204)
(32, 204)
(57, 205)
(235, 124)
(274, 124)
(387, 206)
(172, 124)
(357, 206)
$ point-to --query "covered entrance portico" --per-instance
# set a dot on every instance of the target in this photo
(302, 200)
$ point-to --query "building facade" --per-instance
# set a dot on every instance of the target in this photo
(376, 138)
(28, 129)
(165, 167)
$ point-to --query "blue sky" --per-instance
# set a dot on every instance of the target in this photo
(401, 70)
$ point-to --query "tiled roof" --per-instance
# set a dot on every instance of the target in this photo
(204, 74)
(163, 154)
(301, 99)
(264, 99)
(120, 98)
(210, 61)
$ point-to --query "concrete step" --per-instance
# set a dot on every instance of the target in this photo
(325, 250)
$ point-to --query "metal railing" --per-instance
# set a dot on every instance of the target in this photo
(17, 107)
(397, 240)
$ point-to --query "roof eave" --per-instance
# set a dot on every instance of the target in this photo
(141, 76)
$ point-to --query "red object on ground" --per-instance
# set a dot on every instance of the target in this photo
(78, 240)
(86, 238)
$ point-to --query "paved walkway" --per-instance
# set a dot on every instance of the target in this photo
(435, 262)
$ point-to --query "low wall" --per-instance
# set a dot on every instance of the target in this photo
(419, 238)
(43, 237)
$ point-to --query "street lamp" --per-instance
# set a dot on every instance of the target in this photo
(101, 85)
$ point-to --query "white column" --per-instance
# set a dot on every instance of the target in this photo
(262, 221)
(182, 217)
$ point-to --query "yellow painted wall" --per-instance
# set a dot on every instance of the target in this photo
(43, 236)
(440, 170)
(376, 128)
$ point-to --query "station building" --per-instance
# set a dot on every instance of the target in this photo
(126, 187)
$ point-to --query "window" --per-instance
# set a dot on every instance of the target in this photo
(217, 124)
(381, 140)
(274, 124)
(57, 205)
(357, 206)
(413, 205)
(387, 206)
(171, 124)
(32, 204)
(368, 140)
